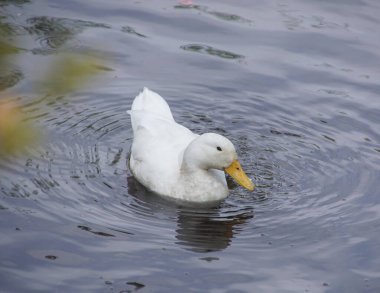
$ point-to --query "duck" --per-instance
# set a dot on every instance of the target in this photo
(172, 161)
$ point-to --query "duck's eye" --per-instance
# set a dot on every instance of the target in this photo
(219, 148)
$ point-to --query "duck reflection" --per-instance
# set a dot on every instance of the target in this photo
(199, 228)
(208, 230)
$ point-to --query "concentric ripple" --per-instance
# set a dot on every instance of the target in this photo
(80, 175)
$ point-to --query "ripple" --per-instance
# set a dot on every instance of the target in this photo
(219, 15)
(53, 33)
(10, 79)
(132, 31)
(83, 170)
(203, 49)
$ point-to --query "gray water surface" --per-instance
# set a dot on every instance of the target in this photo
(294, 85)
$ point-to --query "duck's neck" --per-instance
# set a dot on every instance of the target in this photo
(189, 167)
(200, 184)
(193, 158)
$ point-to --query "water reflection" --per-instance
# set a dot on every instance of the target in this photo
(9, 79)
(54, 32)
(132, 31)
(10, 75)
(208, 230)
(218, 14)
(203, 49)
(13, 2)
(199, 228)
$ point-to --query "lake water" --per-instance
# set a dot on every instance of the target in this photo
(295, 86)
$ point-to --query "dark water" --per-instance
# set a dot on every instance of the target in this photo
(295, 86)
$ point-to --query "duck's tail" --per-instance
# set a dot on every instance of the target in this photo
(151, 103)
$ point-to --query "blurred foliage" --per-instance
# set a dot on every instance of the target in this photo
(70, 72)
(6, 49)
(15, 133)
(65, 74)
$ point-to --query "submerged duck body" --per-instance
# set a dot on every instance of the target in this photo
(172, 161)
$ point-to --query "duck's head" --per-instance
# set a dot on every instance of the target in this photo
(214, 151)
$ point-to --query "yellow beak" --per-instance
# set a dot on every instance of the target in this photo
(236, 171)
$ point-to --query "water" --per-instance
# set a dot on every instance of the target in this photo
(293, 84)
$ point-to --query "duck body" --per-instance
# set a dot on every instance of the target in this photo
(172, 161)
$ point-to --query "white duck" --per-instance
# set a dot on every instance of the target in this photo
(170, 160)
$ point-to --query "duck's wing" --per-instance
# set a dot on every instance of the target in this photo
(157, 153)
(158, 143)
(154, 134)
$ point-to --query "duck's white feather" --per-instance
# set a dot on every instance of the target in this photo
(157, 154)
(148, 103)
